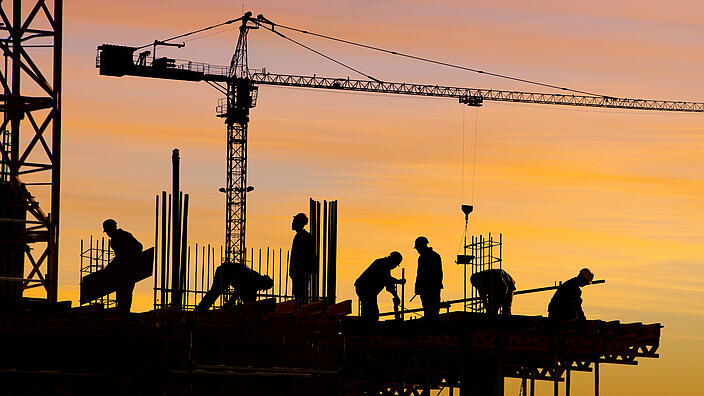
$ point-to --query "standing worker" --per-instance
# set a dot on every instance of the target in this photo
(495, 287)
(246, 283)
(127, 250)
(373, 279)
(301, 262)
(428, 278)
(566, 303)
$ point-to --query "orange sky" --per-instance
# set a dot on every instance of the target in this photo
(617, 191)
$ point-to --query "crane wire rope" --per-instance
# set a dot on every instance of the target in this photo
(271, 29)
(428, 60)
(195, 31)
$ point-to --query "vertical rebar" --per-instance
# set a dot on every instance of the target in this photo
(184, 245)
(168, 251)
(324, 248)
(288, 258)
(202, 271)
(403, 294)
(156, 246)
(176, 232)
(163, 248)
(209, 267)
(280, 297)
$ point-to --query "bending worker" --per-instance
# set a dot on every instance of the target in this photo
(301, 262)
(428, 278)
(495, 287)
(375, 278)
(127, 250)
(246, 283)
(566, 303)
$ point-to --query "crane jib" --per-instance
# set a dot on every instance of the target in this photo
(119, 61)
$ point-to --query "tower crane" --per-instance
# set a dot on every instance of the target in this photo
(240, 86)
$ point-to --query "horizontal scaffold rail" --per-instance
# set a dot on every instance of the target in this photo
(471, 95)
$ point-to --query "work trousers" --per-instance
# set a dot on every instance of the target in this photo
(368, 306)
(298, 287)
(431, 304)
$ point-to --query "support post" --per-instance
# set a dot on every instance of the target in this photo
(176, 233)
(596, 378)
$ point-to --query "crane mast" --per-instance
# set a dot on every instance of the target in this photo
(241, 96)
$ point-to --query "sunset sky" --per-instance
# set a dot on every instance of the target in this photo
(616, 191)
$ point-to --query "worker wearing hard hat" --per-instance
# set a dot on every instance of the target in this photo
(127, 250)
(301, 262)
(428, 278)
(566, 303)
(373, 280)
(495, 287)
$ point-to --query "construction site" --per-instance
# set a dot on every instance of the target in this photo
(279, 340)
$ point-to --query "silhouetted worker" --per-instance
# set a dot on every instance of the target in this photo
(127, 250)
(566, 303)
(376, 277)
(428, 278)
(495, 287)
(246, 283)
(301, 262)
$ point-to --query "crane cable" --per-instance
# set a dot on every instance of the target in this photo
(428, 60)
(195, 31)
(271, 29)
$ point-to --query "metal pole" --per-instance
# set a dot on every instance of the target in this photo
(403, 298)
(53, 263)
(325, 243)
(184, 247)
(163, 248)
(596, 378)
(176, 232)
(555, 378)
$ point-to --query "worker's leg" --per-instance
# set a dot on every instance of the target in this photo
(124, 297)
(299, 286)
(431, 304)
(508, 301)
(214, 292)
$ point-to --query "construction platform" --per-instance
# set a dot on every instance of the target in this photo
(266, 348)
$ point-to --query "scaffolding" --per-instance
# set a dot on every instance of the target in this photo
(487, 254)
(93, 259)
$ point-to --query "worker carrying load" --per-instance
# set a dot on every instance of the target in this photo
(129, 266)
(246, 283)
(376, 277)
(301, 263)
(428, 278)
(566, 303)
(495, 287)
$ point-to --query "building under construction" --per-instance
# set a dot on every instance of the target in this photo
(276, 345)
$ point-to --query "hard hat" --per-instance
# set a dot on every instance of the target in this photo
(301, 217)
(586, 274)
(421, 241)
(109, 224)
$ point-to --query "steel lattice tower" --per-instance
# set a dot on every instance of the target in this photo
(241, 96)
(30, 164)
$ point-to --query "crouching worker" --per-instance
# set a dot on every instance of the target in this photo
(495, 287)
(375, 278)
(566, 303)
(245, 281)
